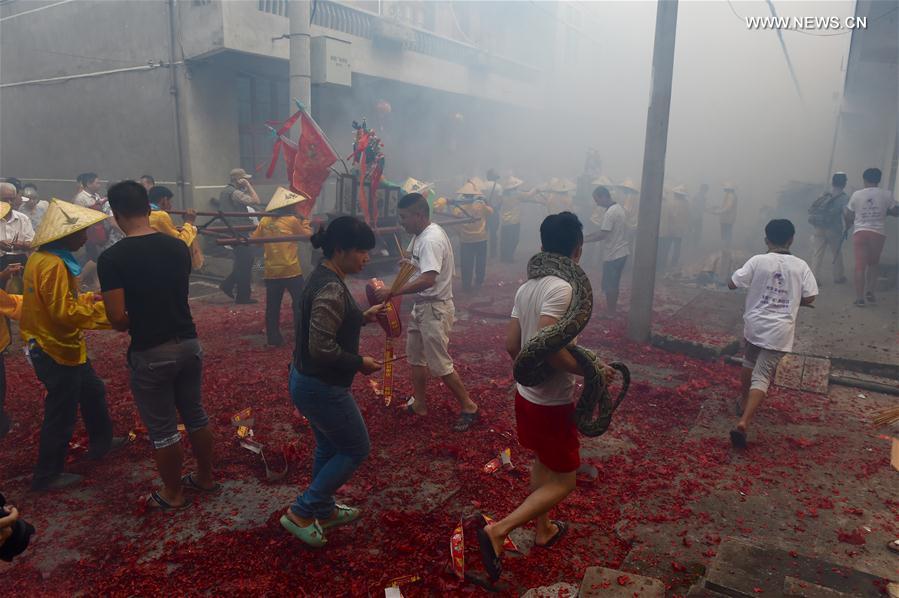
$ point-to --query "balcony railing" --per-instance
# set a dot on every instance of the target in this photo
(275, 7)
(368, 25)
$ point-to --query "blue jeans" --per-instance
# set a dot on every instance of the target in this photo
(341, 441)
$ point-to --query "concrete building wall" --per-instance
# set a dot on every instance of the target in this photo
(118, 124)
(868, 127)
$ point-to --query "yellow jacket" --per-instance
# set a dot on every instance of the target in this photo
(162, 222)
(54, 314)
(10, 307)
(510, 210)
(558, 202)
(476, 231)
(281, 259)
(675, 218)
(727, 213)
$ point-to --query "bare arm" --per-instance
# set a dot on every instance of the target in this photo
(513, 338)
(807, 301)
(562, 359)
(597, 236)
(848, 219)
(114, 301)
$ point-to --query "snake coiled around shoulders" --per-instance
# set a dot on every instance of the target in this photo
(595, 407)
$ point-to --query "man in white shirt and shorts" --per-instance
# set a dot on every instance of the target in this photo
(427, 334)
(614, 233)
(778, 284)
(544, 414)
(867, 210)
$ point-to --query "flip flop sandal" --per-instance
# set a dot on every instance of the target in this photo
(409, 409)
(466, 420)
(563, 529)
(492, 562)
(738, 438)
(894, 546)
(311, 534)
(189, 483)
(155, 501)
(342, 516)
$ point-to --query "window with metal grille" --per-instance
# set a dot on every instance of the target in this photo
(259, 101)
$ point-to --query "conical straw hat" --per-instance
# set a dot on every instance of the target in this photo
(479, 182)
(283, 198)
(4, 209)
(511, 182)
(680, 190)
(629, 184)
(561, 186)
(415, 186)
(62, 219)
(469, 188)
(728, 186)
(603, 181)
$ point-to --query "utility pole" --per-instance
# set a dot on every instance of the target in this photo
(643, 285)
(298, 15)
(300, 85)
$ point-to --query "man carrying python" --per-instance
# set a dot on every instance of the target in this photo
(551, 308)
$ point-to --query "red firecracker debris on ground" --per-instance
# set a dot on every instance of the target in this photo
(665, 466)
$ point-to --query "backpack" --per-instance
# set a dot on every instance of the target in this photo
(821, 214)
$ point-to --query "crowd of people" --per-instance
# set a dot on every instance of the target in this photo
(144, 263)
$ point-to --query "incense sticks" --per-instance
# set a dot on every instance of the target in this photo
(407, 269)
(889, 416)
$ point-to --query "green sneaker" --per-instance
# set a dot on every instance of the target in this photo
(342, 516)
(311, 534)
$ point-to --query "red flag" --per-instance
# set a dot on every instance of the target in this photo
(314, 157)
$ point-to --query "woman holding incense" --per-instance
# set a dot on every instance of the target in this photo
(326, 359)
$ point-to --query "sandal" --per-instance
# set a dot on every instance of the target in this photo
(563, 528)
(409, 409)
(466, 420)
(189, 483)
(894, 546)
(312, 534)
(870, 298)
(738, 438)
(492, 562)
(155, 501)
(342, 515)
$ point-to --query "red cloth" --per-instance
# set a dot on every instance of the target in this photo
(550, 432)
(311, 165)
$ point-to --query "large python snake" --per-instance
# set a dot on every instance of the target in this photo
(531, 368)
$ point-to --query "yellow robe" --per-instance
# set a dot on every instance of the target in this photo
(476, 231)
(54, 314)
(162, 222)
(10, 307)
(510, 210)
(282, 259)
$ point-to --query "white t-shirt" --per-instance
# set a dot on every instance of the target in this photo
(870, 206)
(547, 296)
(17, 228)
(432, 251)
(776, 282)
(617, 244)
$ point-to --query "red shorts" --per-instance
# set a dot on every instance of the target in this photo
(549, 431)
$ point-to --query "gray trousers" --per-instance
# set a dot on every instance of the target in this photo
(166, 382)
